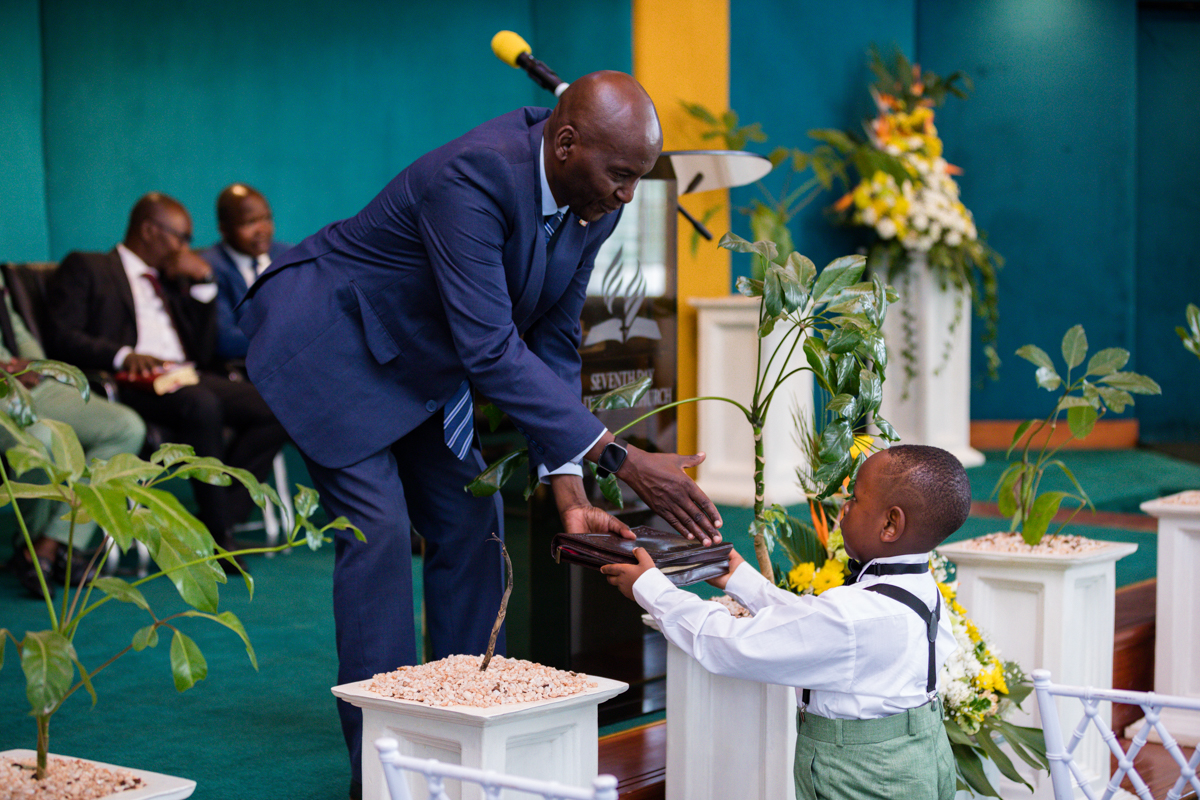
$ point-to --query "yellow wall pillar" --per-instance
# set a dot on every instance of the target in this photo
(681, 52)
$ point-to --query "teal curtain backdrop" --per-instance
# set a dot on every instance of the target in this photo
(1077, 150)
(317, 104)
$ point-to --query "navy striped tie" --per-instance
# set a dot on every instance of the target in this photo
(551, 224)
(457, 417)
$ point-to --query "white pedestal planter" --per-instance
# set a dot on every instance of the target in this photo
(726, 737)
(1047, 611)
(553, 740)
(933, 408)
(1177, 611)
(727, 346)
(157, 786)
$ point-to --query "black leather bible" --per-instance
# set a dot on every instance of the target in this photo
(684, 561)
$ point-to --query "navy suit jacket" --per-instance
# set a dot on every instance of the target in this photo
(366, 328)
(231, 288)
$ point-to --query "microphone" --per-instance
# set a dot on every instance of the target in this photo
(510, 48)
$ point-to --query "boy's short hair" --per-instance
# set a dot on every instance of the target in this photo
(930, 484)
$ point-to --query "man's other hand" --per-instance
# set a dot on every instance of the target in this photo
(190, 265)
(623, 576)
(659, 479)
(142, 366)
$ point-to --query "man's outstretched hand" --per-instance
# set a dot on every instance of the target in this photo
(659, 479)
(580, 516)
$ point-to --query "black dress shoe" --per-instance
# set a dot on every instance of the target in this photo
(27, 573)
(79, 563)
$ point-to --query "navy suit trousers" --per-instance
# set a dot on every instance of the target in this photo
(417, 483)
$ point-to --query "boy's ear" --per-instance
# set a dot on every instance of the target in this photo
(893, 525)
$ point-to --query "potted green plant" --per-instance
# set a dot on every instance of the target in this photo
(831, 317)
(125, 496)
(1191, 335)
(1048, 598)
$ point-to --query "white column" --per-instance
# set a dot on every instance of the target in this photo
(727, 346)
(1052, 612)
(1177, 609)
(934, 407)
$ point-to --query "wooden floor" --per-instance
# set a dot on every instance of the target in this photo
(638, 757)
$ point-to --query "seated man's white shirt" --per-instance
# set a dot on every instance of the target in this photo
(842, 645)
(157, 336)
(250, 267)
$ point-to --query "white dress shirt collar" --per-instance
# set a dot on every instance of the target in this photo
(549, 205)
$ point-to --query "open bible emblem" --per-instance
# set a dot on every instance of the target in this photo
(631, 294)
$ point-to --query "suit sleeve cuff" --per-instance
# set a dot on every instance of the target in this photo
(572, 467)
(119, 358)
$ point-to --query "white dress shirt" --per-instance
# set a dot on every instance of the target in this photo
(861, 654)
(551, 206)
(250, 267)
(156, 331)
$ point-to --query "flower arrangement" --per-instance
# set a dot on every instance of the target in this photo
(899, 187)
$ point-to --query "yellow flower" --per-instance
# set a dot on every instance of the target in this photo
(1001, 684)
(862, 444)
(973, 632)
(946, 591)
(801, 576)
(828, 576)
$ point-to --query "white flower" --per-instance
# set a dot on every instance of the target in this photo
(886, 228)
(953, 239)
(869, 215)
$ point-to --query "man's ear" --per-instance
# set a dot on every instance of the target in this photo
(893, 526)
(566, 138)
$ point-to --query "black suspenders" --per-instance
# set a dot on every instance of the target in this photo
(930, 618)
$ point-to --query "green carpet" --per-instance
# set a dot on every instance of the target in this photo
(274, 733)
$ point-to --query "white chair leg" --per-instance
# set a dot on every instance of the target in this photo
(284, 488)
(143, 559)
(113, 559)
(270, 526)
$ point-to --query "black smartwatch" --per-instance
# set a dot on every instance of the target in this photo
(611, 458)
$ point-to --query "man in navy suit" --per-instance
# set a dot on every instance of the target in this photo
(246, 249)
(468, 271)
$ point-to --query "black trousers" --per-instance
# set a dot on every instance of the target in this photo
(199, 416)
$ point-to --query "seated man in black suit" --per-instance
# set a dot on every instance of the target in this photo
(148, 303)
(247, 247)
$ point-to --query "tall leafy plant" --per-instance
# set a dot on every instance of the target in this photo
(125, 496)
(1101, 387)
(833, 319)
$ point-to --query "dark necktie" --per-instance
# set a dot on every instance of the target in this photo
(857, 571)
(551, 224)
(6, 326)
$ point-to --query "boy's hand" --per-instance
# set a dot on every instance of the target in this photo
(623, 576)
(735, 560)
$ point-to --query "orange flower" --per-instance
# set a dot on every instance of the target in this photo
(844, 201)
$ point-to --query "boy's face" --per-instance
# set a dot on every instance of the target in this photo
(865, 514)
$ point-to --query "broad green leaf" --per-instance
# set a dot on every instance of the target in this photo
(1132, 382)
(1037, 355)
(1024, 426)
(84, 677)
(870, 391)
(999, 757)
(835, 441)
(818, 358)
(1006, 486)
(955, 734)
(772, 293)
(885, 429)
(731, 241)
(172, 518)
(24, 459)
(1074, 346)
(108, 507)
(1057, 462)
(804, 270)
(1047, 379)
(1043, 510)
(123, 467)
(206, 470)
(170, 453)
(844, 405)
(65, 447)
(30, 491)
(854, 298)
(17, 403)
(874, 347)
(1107, 361)
(122, 590)
(844, 340)
(847, 370)
(145, 637)
(1032, 739)
(1071, 401)
(229, 620)
(611, 490)
(343, 524)
(305, 501)
(259, 492)
(749, 287)
(18, 432)
(794, 296)
(494, 416)
(1115, 399)
(490, 481)
(768, 325)
(839, 274)
(46, 659)
(64, 373)
(970, 767)
(626, 396)
(1081, 420)
(187, 662)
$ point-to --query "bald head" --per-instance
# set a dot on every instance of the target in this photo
(159, 228)
(601, 138)
(245, 220)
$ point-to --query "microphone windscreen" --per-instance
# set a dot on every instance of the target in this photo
(508, 45)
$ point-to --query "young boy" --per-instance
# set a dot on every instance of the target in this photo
(864, 657)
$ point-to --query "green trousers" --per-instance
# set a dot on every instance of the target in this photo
(903, 757)
(104, 429)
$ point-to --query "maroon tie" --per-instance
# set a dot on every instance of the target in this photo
(158, 290)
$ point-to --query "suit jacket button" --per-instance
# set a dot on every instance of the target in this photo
(431, 406)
